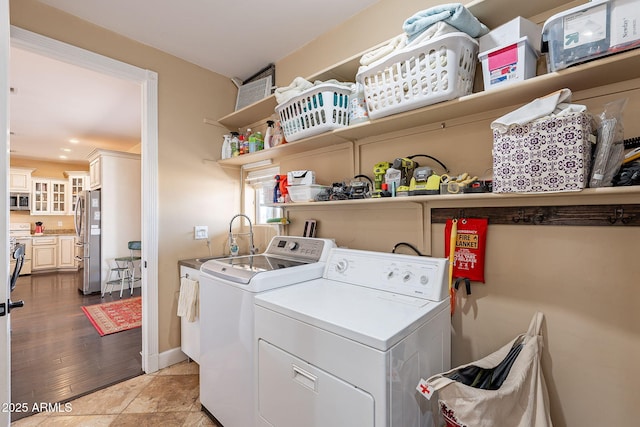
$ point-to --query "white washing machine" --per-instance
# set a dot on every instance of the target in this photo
(348, 349)
(227, 347)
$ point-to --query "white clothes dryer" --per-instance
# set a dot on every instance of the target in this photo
(227, 290)
(348, 349)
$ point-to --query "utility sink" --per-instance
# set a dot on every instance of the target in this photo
(205, 259)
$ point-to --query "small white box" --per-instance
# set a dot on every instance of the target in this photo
(509, 33)
(304, 193)
(507, 64)
(301, 177)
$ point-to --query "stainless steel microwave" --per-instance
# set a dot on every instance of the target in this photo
(19, 201)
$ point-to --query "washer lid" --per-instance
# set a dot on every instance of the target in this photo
(242, 269)
(371, 317)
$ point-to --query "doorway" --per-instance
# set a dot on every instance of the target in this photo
(148, 81)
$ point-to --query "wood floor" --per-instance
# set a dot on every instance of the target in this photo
(56, 354)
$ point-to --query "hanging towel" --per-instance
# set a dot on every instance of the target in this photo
(454, 14)
(556, 104)
(188, 303)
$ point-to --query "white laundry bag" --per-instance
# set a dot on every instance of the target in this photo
(505, 389)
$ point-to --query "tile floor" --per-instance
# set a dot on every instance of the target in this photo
(166, 398)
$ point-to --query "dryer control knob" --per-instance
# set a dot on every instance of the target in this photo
(293, 246)
(342, 266)
(406, 276)
(424, 280)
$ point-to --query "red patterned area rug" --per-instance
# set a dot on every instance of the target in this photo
(117, 316)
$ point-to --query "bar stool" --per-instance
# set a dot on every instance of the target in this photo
(125, 269)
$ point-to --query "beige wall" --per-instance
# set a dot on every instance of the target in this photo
(192, 189)
(581, 278)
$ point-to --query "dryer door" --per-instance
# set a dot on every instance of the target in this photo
(293, 393)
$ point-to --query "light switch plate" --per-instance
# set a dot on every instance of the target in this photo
(200, 232)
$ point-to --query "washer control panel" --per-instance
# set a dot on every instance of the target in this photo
(424, 277)
(306, 248)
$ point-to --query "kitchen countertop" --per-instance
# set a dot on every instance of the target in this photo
(197, 262)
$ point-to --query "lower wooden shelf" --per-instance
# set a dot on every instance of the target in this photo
(589, 196)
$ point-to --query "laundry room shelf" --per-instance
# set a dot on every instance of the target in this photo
(609, 70)
(589, 196)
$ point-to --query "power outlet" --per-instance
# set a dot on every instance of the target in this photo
(200, 232)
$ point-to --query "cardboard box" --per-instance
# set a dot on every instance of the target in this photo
(507, 64)
(545, 155)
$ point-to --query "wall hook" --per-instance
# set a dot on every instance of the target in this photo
(618, 213)
(521, 217)
(538, 218)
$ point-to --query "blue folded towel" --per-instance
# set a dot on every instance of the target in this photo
(454, 14)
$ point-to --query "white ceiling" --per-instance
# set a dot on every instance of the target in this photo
(55, 102)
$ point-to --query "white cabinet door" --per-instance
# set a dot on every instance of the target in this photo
(49, 196)
(66, 252)
(190, 331)
(44, 253)
(78, 181)
(58, 198)
(40, 196)
(20, 180)
(95, 174)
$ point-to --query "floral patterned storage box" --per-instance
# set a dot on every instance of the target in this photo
(549, 154)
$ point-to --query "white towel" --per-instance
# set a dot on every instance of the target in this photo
(300, 85)
(188, 301)
(554, 104)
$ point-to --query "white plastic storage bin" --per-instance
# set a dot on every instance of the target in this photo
(589, 31)
(320, 109)
(304, 193)
(439, 69)
(510, 32)
(508, 64)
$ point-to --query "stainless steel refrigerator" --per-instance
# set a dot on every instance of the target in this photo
(88, 230)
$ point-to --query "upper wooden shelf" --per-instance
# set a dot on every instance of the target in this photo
(608, 70)
(490, 12)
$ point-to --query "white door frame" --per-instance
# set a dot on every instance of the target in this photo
(5, 324)
(149, 222)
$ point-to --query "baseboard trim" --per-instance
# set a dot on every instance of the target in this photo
(170, 357)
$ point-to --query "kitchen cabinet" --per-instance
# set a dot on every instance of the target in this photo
(95, 173)
(611, 70)
(20, 180)
(45, 249)
(53, 253)
(49, 196)
(66, 252)
(78, 181)
(190, 331)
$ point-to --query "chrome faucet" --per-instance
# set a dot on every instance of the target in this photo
(252, 249)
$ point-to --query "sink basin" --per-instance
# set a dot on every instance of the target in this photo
(205, 259)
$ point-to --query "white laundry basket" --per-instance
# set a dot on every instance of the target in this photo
(436, 70)
(323, 108)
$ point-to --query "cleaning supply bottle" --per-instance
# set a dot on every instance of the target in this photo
(256, 142)
(268, 134)
(233, 247)
(278, 135)
(226, 147)
(235, 144)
